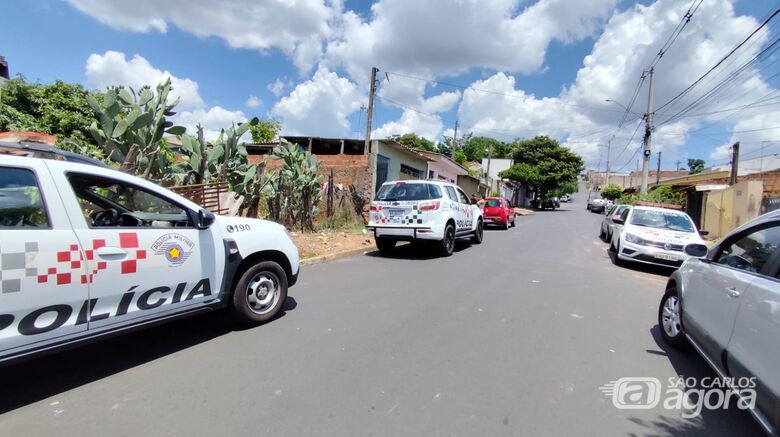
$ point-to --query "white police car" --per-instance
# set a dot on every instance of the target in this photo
(417, 210)
(87, 251)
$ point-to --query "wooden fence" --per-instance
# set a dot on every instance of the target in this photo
(208, 196)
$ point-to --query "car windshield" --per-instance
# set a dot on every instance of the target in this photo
(495, 203)
(671, 220)
(407, 191)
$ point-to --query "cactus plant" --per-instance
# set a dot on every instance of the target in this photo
(293, 191)
(130, 119)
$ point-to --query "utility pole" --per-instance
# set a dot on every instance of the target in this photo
(648, 133)
(658, 172)
(609, 148)
(678, 165)
(488, 182)
(454, 140)
(370, 110)
(734, 163)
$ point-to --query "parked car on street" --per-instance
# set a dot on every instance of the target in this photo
(424, 211)
(608, 224)
(596, 205)
(498, 211)
(565, 198)
(726, 303)
(547, 203)
(652, 236)
(89, 252)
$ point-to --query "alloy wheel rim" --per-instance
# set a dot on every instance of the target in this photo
(450, 239)
(670, 317)
(262, 292)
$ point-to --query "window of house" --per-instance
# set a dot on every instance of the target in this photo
(411, 171)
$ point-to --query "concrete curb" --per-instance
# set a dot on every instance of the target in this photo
(335, 256)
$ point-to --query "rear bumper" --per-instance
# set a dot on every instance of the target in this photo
(407, 233)
(495, 220)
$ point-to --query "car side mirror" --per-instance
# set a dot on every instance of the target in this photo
(618, 220)
(702, 232)
(205, 219)
(697, 250)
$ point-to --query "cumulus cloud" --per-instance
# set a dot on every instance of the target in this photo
(297, 28)
(253, 102)
(212, 120)
(427, 126)
(320, 106)
(113, 68)
(280, 86)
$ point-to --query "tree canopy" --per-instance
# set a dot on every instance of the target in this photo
(476, 148)
(265, 131)
(413, 141)
(695, 165)
(543, 163)
(59, 109)
(612, 191)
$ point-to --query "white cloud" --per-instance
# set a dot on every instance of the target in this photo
(427, 126)
(319, 106)
(296, 27)
(280, 86)
(112, 68)
(253, 102)
(212, 120)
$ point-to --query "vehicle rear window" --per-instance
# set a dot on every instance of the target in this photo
(407, 191)
(671, 220)
(21, 204)
(495, 203)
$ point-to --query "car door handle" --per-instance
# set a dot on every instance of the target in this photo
(111, 253)
(732, 292)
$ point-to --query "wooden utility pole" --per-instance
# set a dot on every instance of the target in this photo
(609, 148)
(370, 110)
(678, 165)
(658, 171)
(648, 134)
(734, 163)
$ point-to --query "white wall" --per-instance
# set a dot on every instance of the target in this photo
(496, 166)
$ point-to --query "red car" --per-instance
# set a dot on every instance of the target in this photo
(497, 211)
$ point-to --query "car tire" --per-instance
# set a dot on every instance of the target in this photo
(670, 320)
(447, 244)
(602, 235)
(615, 249)
(479, 233)
(513, 222)
(260, 293)
(384, 245)
(506, 224)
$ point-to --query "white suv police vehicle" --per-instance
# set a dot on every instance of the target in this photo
(87, 251)
(417, 210)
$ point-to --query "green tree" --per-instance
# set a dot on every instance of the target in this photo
(59, 109)
(265, 131)
(544, 164)
(695, 165)
(413, 141)
(477, 148)
(460, 157)
(612, 191)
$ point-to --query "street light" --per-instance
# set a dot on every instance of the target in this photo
(489, 151)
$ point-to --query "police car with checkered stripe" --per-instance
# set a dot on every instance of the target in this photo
(87, 251)
(422, 210)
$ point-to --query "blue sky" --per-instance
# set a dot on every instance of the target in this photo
(526, 61)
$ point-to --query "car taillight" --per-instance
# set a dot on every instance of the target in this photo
(429, 206)
(376, 208)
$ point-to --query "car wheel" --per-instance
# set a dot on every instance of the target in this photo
(384, 245)
(602, 235)
(260, 293)
(478, 234)
(506, 224)
(513, 222)
(670, 319)
(447, 244)
(615, 249)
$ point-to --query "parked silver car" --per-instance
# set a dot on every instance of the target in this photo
(726, 303)
(608, 225)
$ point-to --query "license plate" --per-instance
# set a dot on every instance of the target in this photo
(666, 257)
(488, 219)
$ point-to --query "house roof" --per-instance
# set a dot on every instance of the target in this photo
(440, 157)
(404, 149)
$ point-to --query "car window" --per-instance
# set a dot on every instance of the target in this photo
(463, 198)
(109, 202)
(434, 191)
(495, 203)
(404, 191)
(451, 194)
(751, 251)
(624, 214)
(671, 220)
(21, 204)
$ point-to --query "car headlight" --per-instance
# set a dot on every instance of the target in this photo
(631, 238)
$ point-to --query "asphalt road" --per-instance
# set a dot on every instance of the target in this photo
(511, 337)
